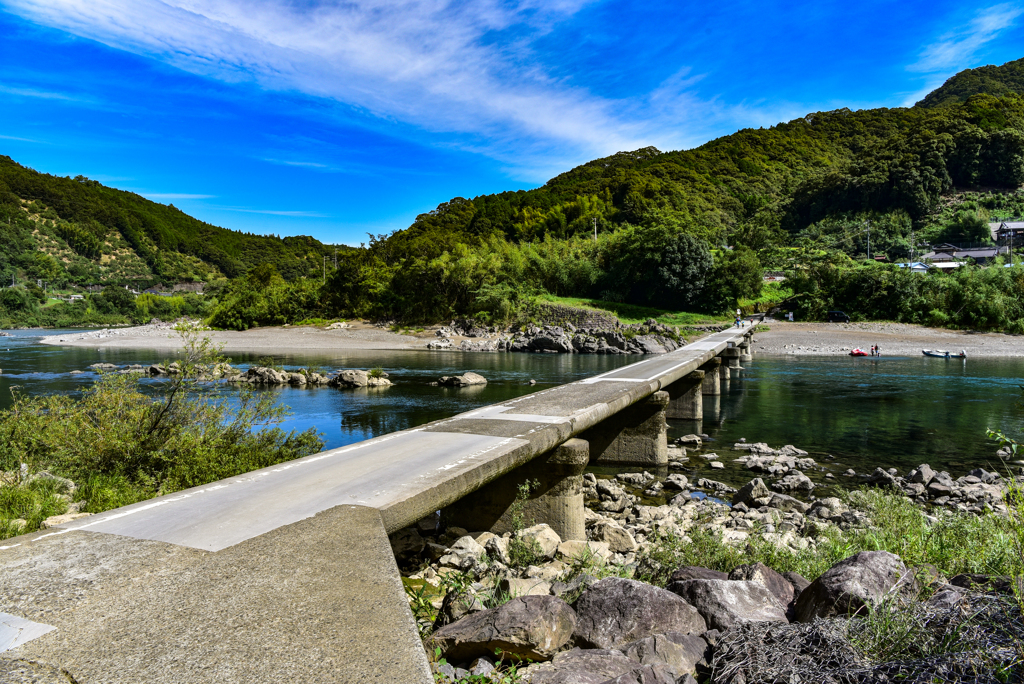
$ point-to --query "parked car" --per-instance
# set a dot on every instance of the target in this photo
(838, 317)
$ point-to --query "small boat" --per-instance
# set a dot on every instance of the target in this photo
(942, 354)
(858, 352)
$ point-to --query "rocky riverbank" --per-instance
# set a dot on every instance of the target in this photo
(649, 337)
(684, 580)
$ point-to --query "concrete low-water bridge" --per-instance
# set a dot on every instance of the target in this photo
(286, 573)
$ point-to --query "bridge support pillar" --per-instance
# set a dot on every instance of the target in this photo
(556, 500)
(712, 371)
(731, 357)
(685, 399)
(746, 351)
(637, 435)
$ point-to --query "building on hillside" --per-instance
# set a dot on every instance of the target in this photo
(1006, 231)
(915, 266)
(946, 254)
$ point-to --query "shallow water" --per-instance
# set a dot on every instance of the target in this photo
(864, 412)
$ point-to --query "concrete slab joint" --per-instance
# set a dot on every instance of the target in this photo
(556, 498)
(637, 435)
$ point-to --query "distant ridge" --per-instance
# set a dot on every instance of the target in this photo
(991, 80)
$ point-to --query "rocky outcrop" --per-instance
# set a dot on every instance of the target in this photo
(618, 611)
(533, 627)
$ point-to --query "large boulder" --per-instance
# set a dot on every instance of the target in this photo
(728, 603)
(780, 587)
(618, 611)
(407, 544)
(545, 539)
(464, 554)
(688, 572)
(680, 652)
(358, 378)
(533, 627)
(618, 539)
(592, 666)
(463, 380)
(755, 489)
(851, 584)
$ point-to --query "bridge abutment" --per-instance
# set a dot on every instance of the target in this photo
(731, 358)
(556, 498)
(636, 435)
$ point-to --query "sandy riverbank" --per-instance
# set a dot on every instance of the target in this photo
(894, 339)
(358, 336)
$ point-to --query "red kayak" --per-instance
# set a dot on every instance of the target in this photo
(858, 352)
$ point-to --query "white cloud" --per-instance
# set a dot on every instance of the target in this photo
(953, 51)
(275, 212)
(446, 66)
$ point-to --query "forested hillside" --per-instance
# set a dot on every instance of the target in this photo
(77, 231)
(691, 230)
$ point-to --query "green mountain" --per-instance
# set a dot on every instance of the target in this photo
(76, 230)
(991, 80)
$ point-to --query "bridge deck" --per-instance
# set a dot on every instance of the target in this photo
(193, 586)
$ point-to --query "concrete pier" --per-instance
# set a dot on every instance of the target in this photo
(637, 435)
(746, 352)
(731, 357)
(686, 401)
(556, 498)
(712, 381)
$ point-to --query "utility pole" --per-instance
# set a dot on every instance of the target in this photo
(869, 240)
(325, 269)
(595, 228)
(335, 257)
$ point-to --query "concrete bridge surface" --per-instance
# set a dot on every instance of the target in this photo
(286, 573)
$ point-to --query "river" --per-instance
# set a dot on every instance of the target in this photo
(848, 412)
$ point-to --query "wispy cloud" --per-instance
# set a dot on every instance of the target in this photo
(305, 164)
(955, 50)
(28, 140)
(447, 67)
(275, 212)
(174, 196)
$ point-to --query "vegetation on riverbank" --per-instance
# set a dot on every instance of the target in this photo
(120, 445)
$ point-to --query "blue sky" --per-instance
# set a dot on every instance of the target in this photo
(335, 119)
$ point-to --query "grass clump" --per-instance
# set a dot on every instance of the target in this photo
(121, 446)
(376, 372)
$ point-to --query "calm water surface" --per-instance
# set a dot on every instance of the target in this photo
(863, 412)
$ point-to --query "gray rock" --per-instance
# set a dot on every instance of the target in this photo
(787, 504)
(578, 666)
(798, 581)
(463, 380)
(455, 606)
(882, 478)
(618, 611)
(794, 482)
(922, 474)
(850, 584)
(545, 539)
(646, 674)
(407, 544)
(533, 627)
(481, 666)
(680, 652)
(755, 489)
(464, 553)
(688, 572)
(497, 549)
(778, 585)
(618, 539)
(727, 603)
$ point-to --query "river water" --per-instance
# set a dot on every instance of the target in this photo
(848, 412)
